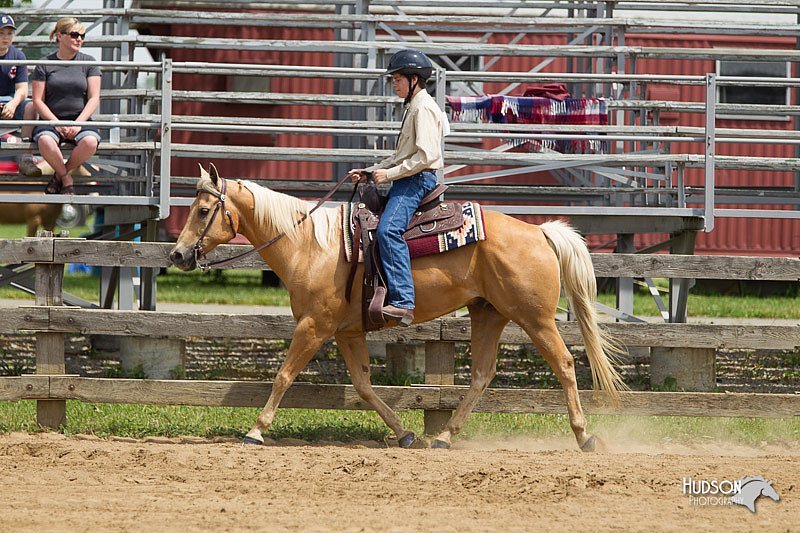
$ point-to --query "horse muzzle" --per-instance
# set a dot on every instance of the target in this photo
(183, 258)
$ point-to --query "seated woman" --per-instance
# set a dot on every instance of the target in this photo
(66, 92)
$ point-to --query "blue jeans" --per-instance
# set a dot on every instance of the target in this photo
(50, 131)
(403, 200)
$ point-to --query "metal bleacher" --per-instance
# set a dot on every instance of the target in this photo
(638, 185)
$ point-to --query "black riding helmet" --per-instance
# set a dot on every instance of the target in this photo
(410, 62)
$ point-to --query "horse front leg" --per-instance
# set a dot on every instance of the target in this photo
(356, 357)
(307, 339)
(487, 325)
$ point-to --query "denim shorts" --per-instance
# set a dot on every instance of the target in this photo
(50, 131)
(20, 108)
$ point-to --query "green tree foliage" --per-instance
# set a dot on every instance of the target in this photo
(13, 3)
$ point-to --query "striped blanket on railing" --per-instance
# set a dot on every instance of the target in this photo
(534, 110)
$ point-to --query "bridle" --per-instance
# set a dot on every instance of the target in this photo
(220, 207)
(221, 196)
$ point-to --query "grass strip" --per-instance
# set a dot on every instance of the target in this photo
(140, 421)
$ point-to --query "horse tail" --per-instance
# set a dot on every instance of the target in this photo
(580, 285)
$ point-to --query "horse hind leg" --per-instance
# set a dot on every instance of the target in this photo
(487, 325)
(551, 346)
(356, 357)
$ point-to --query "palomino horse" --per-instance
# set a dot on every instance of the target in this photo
(32, 215)
(512, 275)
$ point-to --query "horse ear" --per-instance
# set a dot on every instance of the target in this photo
(214, 174)
(203, 172)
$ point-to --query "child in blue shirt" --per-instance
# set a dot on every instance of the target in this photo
(14, 102)
(13, 79)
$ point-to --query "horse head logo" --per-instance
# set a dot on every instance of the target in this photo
(752, 488)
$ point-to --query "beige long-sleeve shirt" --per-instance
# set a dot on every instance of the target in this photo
(419, 146)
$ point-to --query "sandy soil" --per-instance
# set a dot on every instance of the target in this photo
(49, 482)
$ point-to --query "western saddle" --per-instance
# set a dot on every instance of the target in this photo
(433, 216)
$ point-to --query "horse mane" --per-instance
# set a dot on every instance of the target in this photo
(282, 212)
(749, 479)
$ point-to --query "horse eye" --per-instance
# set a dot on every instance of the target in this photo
(204, 211)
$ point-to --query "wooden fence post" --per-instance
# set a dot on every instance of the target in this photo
(50, 346)
(693, 369)
(404, 360)
(440, 363)
(156, 357)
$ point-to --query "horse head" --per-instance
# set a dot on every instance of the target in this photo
(752, 487)
(769, 491)
(211, 221)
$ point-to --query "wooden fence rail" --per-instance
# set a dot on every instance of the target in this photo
(155, 255)
(427, 397)
(243, 326)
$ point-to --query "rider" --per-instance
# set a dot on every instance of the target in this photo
(412, 171)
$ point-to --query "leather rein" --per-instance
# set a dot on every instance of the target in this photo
(220, 207)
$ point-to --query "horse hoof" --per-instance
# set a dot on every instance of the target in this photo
(589, 445)
(440, 444)
(251, 440)
(407, 440)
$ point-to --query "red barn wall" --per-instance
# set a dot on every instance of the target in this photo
(731, 236)
(193, 82)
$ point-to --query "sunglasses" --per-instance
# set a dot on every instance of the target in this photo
(76, 35)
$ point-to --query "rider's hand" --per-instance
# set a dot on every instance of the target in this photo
(381, 176)
(356, 175)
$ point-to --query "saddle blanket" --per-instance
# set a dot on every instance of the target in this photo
(472, 230)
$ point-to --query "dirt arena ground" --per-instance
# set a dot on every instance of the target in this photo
(49, 482)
